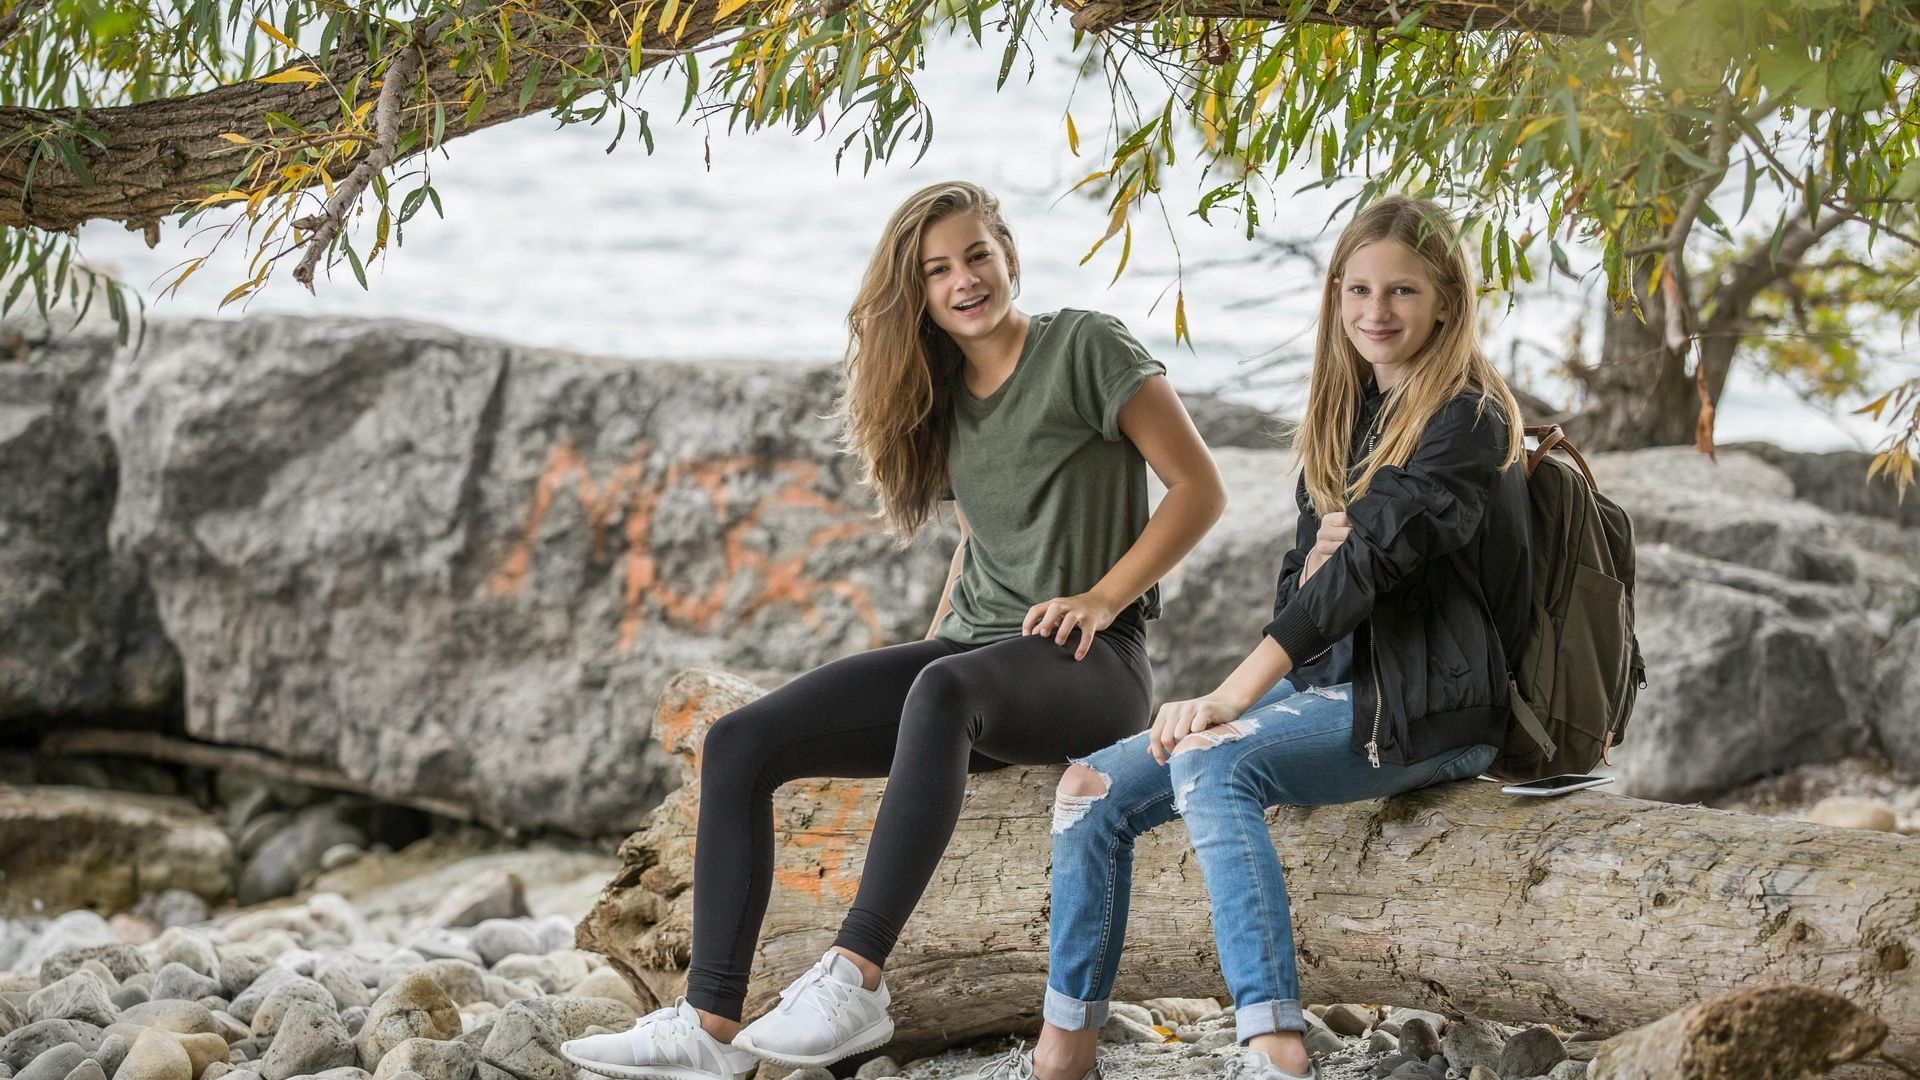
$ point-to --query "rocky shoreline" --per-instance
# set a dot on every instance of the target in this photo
(477, 987)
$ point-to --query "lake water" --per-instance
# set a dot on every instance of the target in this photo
(551, 241)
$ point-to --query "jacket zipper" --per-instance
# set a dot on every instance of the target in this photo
(1373, 658)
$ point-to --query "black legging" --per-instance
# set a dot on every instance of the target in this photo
(924, 715)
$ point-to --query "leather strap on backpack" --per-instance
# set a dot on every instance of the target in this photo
(1550, 437)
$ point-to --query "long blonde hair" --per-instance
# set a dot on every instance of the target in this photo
(1449, 362)
(897, 409)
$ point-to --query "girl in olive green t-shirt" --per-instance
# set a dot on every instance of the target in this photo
(1040, 428)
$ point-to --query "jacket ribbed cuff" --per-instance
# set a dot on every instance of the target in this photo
(1295, 632)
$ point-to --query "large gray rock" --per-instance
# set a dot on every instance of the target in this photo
(1747, 673)
(69, 847)
(1757, 613)
(1896, 696)
(406, 553)
(79, 633)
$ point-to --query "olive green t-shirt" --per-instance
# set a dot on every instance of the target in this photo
(1053, 493)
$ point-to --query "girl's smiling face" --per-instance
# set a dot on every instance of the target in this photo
(969, 283)
(1389, 306)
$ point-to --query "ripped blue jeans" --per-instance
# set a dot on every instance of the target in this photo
(1290, 748)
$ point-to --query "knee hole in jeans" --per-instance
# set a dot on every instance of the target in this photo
(1212, 737)
(1081, 787)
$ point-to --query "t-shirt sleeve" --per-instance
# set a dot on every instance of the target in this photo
(1109, 365)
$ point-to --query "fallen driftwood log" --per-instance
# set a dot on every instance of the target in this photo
(1589, 911)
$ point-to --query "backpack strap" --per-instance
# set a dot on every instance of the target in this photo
(1529, 722)
(1550, 437)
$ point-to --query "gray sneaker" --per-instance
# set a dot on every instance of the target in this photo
(1018, 1065)
(1254, 1065)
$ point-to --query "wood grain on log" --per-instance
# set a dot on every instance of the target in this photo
(1589, 911)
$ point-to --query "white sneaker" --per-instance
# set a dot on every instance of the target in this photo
(1254, 1065)
(827, 1014)
(1018, 1065)
(667, 1043)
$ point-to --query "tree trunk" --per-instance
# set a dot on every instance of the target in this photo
(1642, 392)
(1590, 911)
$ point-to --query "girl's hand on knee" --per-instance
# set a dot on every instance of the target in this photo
(1059, 617)
(1179, 719)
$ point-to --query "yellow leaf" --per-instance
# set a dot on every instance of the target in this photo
(666, 16)
(1180, 332)
(275, 34)
(1538, 125)
(1073, 136)
(236, 137)
(1866, 8)
(1115, 222)
(242, 290)
(728, 7)
(1090, 179)
(360, 114)
(303, 75)
(220, 197)
(1879, 462)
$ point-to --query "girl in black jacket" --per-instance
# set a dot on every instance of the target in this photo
(1400, 609)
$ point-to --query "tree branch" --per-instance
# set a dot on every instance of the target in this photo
(395, 84)
(17, 16)
(163, 155)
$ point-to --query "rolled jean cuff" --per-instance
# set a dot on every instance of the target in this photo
(1072, 1014)
(1264, 1018)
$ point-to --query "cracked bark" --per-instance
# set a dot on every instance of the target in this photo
(1590, 911)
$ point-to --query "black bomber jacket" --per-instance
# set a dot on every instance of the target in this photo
(1429, 659)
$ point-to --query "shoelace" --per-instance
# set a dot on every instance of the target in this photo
(666, 1029)
(1017, 1065)
(837, 992)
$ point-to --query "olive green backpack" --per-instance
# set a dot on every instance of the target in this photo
(1580, 669)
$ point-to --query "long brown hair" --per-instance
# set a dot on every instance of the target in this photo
(897, 409)
(1450, 361)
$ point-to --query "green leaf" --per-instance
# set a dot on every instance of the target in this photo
(1907, 184)
(1856, 82)
(530, 84)
(353, 260)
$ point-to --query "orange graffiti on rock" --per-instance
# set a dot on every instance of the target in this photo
(633, 496)
(832, 840)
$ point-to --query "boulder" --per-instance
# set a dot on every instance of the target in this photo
(79, 632)
(358, 533)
